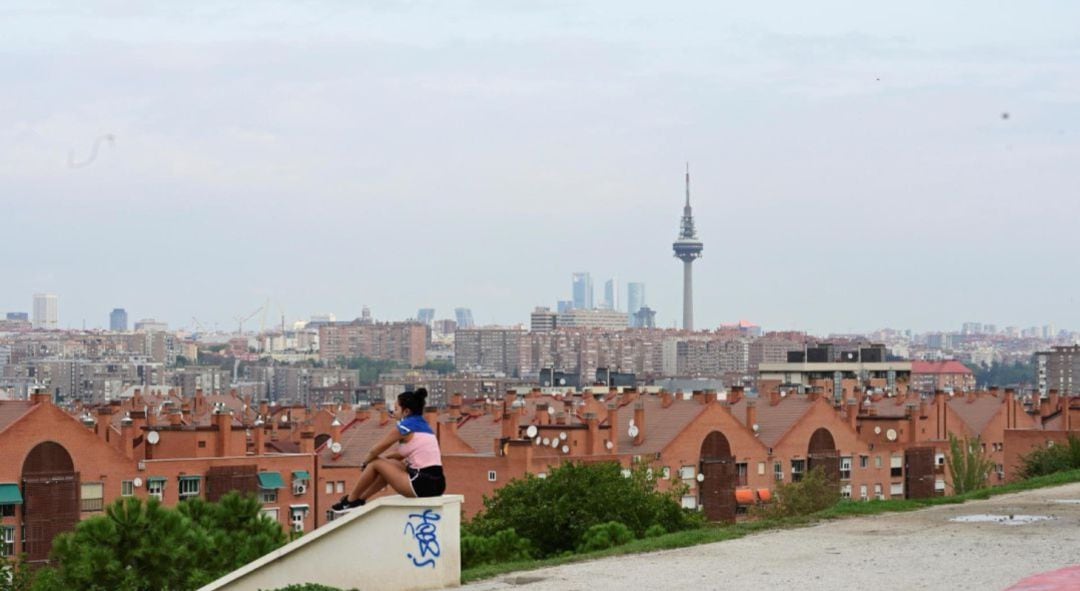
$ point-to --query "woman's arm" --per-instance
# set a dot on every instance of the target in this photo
(389, 439)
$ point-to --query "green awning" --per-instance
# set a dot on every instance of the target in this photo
(190, 478)
(301, 475)
(271, 480)
(156, 479)
(10, 495)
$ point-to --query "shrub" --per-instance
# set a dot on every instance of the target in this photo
(555, 512)
(655, 531)
(503, 546)
(811, 494)
(968, 465)
(605, 535)
(1051, 458)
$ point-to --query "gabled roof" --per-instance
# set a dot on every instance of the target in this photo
(939, 367)
(13, 410)
(774, 421)
(978, 413)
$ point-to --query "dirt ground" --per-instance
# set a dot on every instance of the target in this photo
(917, 550)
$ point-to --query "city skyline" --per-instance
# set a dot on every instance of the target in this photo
(855, 167)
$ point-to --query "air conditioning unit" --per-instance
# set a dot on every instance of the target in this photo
(299, 488)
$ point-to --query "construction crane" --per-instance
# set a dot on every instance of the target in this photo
(240, 320)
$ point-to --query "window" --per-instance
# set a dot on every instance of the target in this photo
(202, 444)
(127, 488)
(939, 487)
(7, 542)
(877, 492)
(92, 496)
(864, 461)
(268, 495)
(939, 459)
(896, 466)
(271, 513)
(296, 517)
(896, 490)
(340, 486)
(7, 510)
(686, 472)
(778, 471)
(155, 487)
(877, 461)
(797, 469)
(862, 492)
(329, 487)
(492, 476)
(742, 473)
(845, 491)
(845, 469)
(689, 502)
(761, 468)
(189, 487)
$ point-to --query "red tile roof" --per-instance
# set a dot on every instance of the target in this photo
(977, 413)
(13, 410)
(774, 421)
(939, 367)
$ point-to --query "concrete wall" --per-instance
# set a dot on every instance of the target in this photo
(391, 544)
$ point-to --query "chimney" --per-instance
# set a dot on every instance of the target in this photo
(970, 397)
(698, 396)
(40, 396)
(199, 400)
(186, 410)
(175, 420)
(1055, 400)
(1067, 409)
(543, 415)
(137, 399)
(813, 394)
(774, 397)
(560, 418)
(127, 437)
(307, 440)
(508, 399)
(104, 422)
(457, 399)
(264, 409)
(751, 413)
(735, 394)
(666, 399)
(710, 396)
(853, 413)
(639, 422)
(613, 430)
(924, 407)
(913, 421)
(259, 437)
(223, 422)
(273, 428)
(592, 435)
(1010, 408)
(335, 430)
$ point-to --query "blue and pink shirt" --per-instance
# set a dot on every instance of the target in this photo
(422, 450)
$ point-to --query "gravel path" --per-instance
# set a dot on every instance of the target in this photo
(903, 551)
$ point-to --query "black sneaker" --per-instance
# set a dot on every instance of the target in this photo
(345, 504)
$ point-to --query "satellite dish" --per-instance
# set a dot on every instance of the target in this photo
(877, 430)
(700, 477)
(538, 441)
(756, 427)
(566, 449)
(555, 443)
(531, 431)
(137, 483)
(609, 444)
(153, 437)
(562, 435)
(547, 441)
(631, 422)
(335, 447)
(633, 431)
(890, 435)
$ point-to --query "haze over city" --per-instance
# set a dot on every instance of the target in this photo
(853, 167)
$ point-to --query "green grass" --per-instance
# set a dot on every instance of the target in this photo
(714, 533)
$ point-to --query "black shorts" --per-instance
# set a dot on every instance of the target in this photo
(427, 482)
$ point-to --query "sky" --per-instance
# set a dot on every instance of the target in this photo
(854, 165)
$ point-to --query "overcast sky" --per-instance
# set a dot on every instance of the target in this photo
(852, 166)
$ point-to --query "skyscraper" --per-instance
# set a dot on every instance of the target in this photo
(635, 297)
(583, 291)
(464, 317)
(425, 315)
(46, 311)
(611, 294)
(565, 306)
(688, 249)
(118, 320)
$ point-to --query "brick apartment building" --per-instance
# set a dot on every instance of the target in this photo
(404, 342)
(929, 376)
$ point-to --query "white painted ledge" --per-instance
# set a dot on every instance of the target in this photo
(391, 544)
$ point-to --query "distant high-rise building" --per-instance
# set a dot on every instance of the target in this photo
(464, 318)
(426, 315)
(543, 320)
(46, 311)
(565, 306)
(151, 325)
(18, 316)
(118, 320)
(688, 249)
(611, 294)
(605, 319)
(635, 297)
(644, 317)
(1058, 369)
(583, 291)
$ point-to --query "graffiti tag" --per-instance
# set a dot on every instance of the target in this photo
(423, 528)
